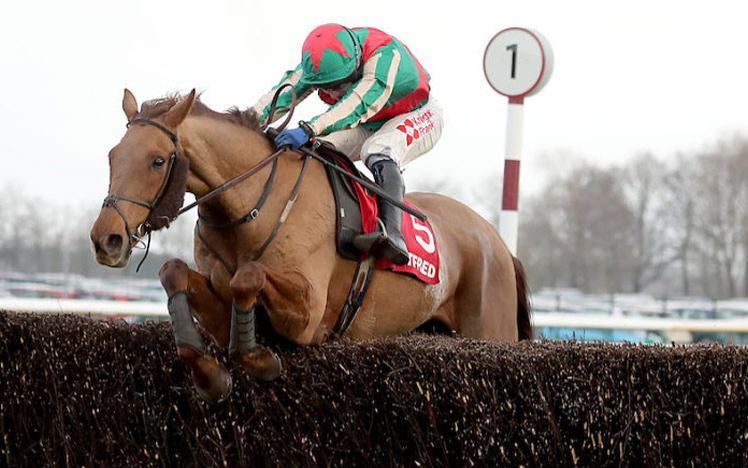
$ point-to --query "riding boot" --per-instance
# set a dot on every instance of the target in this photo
(390, 243)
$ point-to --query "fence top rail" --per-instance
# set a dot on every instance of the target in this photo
(540, 319)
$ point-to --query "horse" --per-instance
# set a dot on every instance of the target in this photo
(177, 144)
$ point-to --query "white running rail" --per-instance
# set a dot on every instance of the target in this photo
(85, 307)
(539, 320)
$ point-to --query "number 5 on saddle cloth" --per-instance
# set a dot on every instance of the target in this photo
(356, 213)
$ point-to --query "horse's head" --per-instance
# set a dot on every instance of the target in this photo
(147, 178)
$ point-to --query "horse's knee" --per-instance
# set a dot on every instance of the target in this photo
(174, 276)
(247, 283)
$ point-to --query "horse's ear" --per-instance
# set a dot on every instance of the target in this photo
(176, 114)
(129, 105)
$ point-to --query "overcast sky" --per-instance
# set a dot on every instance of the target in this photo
(664, 76)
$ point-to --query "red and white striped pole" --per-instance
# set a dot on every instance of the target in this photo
(517, 62)
(509, 217)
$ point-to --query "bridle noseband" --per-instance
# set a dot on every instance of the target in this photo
(133, 237)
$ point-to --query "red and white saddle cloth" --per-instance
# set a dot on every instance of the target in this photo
(419, 238)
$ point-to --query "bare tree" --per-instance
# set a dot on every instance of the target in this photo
(643, 182)
(720, 214)
(679, 201)
(579, 227)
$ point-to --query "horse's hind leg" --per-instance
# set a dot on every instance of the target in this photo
(190, 291)
(487, 298)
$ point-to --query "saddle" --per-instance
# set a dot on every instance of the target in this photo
(357, 213)
(349, 196)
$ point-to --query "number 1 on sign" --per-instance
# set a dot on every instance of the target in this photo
(513, 48)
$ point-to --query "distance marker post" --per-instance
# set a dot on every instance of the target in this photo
(517, 62)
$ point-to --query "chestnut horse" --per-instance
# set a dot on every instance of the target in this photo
(298, 277)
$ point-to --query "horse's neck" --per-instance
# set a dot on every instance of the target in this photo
(220, 151)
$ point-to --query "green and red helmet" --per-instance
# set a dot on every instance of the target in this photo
(331, 54)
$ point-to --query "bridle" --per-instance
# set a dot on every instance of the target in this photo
(112, 199)
(135, 236)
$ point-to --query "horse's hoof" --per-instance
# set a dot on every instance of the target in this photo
(261, 363)
(213, 388)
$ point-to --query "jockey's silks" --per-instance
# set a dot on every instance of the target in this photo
(393, 82)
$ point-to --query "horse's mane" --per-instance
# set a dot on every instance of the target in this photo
(157, 107)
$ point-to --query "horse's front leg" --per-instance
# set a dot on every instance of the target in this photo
(246, 285)
(188, 290)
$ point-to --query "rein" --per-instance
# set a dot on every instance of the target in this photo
(227, 185)
(136, 236)
(252, 214)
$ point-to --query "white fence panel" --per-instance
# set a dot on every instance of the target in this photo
(85, 307)
(540, 319)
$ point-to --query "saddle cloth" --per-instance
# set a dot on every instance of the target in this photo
(357, 213)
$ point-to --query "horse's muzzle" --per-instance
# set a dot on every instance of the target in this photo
(111, 250)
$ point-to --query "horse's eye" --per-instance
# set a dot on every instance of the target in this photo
(158, 162)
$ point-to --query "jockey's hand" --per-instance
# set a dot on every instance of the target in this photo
(295, 138)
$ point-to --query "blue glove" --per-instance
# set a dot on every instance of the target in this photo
(295, 138)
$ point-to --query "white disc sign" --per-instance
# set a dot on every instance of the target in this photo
(518, 62)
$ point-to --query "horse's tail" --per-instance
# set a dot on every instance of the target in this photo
(524, 310)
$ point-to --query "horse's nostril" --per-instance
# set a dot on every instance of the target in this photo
(113, 243)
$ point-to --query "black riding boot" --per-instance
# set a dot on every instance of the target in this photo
(389, 244)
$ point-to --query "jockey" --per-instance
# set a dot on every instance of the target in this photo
(380, 112)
